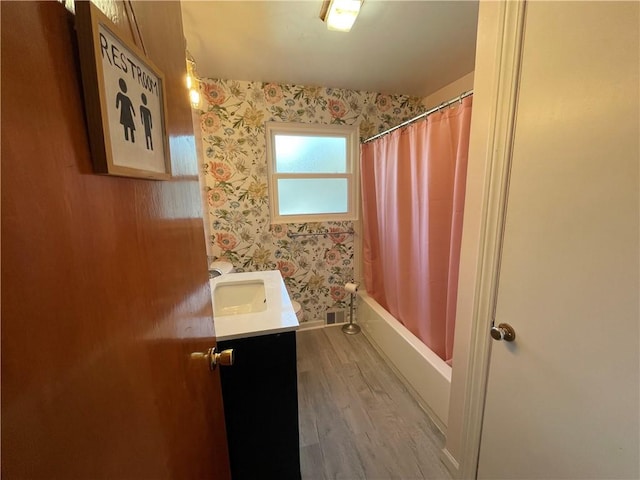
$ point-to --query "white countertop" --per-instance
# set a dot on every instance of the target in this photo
(278, 317)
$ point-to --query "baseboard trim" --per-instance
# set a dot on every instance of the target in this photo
(312, 325)
(451, 463)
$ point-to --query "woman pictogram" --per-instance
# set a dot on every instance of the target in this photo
(127, 112)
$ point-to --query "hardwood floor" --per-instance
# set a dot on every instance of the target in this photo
(357, 420)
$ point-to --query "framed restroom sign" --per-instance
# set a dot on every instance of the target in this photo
(124, 98)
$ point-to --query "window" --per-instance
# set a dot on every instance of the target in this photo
(311, 172)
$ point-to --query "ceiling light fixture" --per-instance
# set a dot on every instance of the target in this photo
(340, 15)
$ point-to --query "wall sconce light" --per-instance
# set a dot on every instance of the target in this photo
(192, 82)
(194, 98)
(340, 15)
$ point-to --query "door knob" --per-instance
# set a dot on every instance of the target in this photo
(503, 331)
(215, 358)
(225, 358)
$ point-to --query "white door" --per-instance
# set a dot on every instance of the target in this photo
(563, 399)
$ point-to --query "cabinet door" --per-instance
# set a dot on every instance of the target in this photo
(261, 407)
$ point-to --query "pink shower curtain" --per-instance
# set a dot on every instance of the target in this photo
(413, 186)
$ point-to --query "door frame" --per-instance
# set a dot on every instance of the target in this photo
(502, 68)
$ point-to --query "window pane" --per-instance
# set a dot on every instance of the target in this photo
(310, 154)
(312, 196)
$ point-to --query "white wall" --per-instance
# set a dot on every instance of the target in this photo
(484, 78)
(455, 88)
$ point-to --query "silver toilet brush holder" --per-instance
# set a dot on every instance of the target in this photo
(351, 328)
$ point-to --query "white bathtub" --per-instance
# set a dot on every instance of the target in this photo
(427, 375)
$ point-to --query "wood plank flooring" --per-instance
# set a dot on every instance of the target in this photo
(357, 419)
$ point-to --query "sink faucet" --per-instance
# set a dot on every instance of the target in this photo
(214, 272)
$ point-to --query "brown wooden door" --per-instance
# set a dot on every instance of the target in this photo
(104, 284)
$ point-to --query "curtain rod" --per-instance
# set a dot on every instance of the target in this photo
(422, 115)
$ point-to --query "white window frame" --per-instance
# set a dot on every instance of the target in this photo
(350, 133)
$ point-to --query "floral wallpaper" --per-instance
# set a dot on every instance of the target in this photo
(233, 119)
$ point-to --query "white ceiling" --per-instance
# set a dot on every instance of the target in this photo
(402, 47)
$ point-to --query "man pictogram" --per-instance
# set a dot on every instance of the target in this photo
(145, 118)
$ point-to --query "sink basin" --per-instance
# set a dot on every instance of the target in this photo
(238, 298)
(249, 304)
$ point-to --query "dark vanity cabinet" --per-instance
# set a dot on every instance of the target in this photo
(260, 393)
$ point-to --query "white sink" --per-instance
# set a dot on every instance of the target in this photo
(250, 304)
(241, 297)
